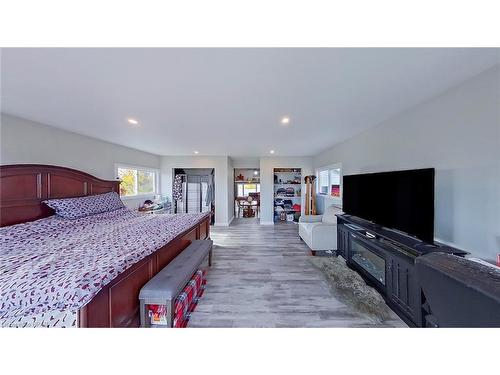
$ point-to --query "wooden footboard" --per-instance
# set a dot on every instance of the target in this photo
(117, 304)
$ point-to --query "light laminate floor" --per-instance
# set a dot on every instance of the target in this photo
(261, 278)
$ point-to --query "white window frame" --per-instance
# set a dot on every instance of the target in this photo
(139, 168)
(328, 168)
(257, 187)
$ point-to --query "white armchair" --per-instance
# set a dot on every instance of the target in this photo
(319, 232)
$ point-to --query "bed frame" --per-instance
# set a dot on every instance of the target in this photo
(23, 187)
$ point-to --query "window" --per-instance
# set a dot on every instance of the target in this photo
(137, 181)
(323, 182)
(329, 181)
(335, 182)
(244, 189)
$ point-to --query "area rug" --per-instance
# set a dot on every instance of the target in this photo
(350, 288)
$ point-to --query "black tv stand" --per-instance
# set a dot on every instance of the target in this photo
(386, 259)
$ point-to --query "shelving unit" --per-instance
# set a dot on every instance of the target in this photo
(287, 181)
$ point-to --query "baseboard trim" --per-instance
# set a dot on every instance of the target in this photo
(223, 223)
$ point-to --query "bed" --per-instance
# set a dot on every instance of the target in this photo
(85, 272)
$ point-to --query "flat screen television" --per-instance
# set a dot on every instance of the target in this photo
(401, 200)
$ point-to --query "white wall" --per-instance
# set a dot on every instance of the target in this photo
(246, 162)
(457, 133)
(24, 141)
(230, 190)
(220, 163)
(267, 165)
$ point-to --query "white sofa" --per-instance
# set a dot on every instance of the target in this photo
(319, 232)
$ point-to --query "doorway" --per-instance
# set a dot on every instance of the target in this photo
(247, 193)
(194, 190)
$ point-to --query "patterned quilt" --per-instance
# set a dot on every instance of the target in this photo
(52, 267)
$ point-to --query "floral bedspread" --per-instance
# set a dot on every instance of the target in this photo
(52, 267)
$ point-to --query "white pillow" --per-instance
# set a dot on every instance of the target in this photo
(329, 215)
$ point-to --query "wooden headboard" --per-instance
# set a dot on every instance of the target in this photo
(23, 187)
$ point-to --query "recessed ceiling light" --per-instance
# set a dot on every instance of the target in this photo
(132, 121)
(196, 152)
(285, 120)
(272, 151)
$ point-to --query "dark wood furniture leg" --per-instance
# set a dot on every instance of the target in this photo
(170, 313)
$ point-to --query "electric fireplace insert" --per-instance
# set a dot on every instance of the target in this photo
(368, 259)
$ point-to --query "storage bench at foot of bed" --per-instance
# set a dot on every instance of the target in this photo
(163, 289)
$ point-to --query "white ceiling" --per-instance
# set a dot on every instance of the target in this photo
(227, 101)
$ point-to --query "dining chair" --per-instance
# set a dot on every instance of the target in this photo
(239, 203)
(256, 198)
